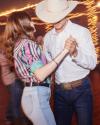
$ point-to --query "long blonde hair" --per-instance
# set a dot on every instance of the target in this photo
(18, 24)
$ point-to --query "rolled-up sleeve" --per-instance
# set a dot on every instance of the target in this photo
(86, 57)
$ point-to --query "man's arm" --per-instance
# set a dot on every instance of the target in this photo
(85, 52)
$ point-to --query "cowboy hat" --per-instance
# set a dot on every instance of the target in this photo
(52, 11)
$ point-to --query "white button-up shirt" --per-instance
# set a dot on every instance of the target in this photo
(71, 69)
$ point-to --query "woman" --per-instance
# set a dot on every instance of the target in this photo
(15, 86)
(26, 55)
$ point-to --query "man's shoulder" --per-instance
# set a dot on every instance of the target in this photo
(80, 28)
(49, 33)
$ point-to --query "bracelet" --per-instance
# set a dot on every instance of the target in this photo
(55, 62)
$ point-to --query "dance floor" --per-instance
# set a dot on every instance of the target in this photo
(95, 78)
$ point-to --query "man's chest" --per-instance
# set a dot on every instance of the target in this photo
(56, 44)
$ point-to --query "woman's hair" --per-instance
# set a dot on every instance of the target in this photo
(1, 41)
(18, 25)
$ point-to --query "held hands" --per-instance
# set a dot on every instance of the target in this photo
(71, 45)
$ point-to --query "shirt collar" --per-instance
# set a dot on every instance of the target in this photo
(67, 27)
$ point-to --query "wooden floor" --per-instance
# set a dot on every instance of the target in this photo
(95, 78)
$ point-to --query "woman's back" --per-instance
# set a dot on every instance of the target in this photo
(26, 53)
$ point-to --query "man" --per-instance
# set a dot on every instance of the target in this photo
(72, 85)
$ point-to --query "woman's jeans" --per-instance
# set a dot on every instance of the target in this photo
(35, 104)
(78, 101)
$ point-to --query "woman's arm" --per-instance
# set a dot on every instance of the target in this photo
(34, 64)
(46, 70)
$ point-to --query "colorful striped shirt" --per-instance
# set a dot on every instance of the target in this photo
(27, 58)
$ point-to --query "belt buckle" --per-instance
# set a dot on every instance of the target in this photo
(66, 86)
(71, 85)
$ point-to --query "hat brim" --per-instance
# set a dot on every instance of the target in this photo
(50, 17)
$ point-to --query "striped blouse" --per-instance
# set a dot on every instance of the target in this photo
(27, 58)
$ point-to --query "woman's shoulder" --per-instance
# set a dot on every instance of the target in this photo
(20, 44)
(28, 42)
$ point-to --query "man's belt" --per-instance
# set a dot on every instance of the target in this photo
(71, 85)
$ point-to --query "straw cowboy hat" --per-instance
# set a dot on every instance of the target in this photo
(52, 11)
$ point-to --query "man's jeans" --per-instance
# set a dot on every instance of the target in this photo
(78, 100)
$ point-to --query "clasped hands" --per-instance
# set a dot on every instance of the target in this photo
(71, 46)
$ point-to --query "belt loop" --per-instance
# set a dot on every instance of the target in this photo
(31, 84)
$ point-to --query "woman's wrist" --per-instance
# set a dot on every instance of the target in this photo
(55, 62)
(60, 57)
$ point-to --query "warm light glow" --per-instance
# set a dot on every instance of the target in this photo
(1, 24)
(95, 18)
(90, 13)
(92, 22)
(98, 4)
(13, 10)
(71, 16)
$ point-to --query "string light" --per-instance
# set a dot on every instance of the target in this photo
(71, 16)
(92, 22)
(91, 17)
(13, 10)
(98, 4)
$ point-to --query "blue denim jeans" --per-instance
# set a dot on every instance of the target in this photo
(78, 100)
(35, 104)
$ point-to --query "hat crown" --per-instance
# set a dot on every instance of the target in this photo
(52, 11)
(57, 5)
